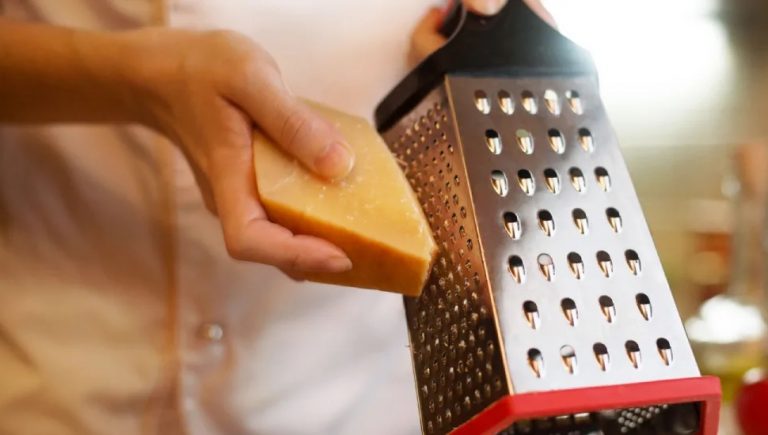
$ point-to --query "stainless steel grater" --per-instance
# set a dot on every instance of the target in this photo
(547, 310)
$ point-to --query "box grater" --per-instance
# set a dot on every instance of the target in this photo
(547, 311)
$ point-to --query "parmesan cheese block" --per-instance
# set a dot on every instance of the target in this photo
(372, 214)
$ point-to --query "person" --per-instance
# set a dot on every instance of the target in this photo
(142, 287)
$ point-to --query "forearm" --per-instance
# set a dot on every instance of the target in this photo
(54, 74)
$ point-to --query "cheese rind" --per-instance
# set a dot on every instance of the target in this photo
(372, 215)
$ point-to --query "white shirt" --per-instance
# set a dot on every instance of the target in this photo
(120, 311)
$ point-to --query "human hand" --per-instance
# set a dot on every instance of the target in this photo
(426, 37)
(206, 92)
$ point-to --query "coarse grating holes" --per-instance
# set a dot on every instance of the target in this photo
(546, 222)
(499, 182)
(526, 182)
(608, 308)
(580, 220)
(493, 140)
(602, 356)
(506, 103)
(525, 141)
(512, 225)
(556, 140)
(603, 179)
(531, 313)
(536, 362)
(586, 141)
(614, 219)
(568, 354)
(633, 353)
(633, 261)
(665, 350)
(644, 305)
(552, 101)
(529, 102)
(576, 264)
(605, 263)
(546, 266)
(570, 311)
(516, 268)
(482, 103)
(574, 102)
(577, 179)
(552, 180)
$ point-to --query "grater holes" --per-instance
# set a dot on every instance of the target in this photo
(574, 102)
(580, 220)
(552, 102)
(665, 350)
(603, 179)
(529, 102)
(568, 354)
(633, 353)
(614, 219)
(506, 103)
(546, 222)
(576, 265)
(605, 263)
(556, 140)
(482, 103)
(524, 141)
(608, 308)
(577, 179)
(493, 140)
(536, 362)
(526, 182)
(602, 356)
(633, 261)
(552, 180)
(531, 314)
(499, 182)
(644, 305)
(516, 268)
(570, 311)
(586, 141)
(512, 225)
(546, 266)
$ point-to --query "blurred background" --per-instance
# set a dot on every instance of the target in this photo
(685, 83)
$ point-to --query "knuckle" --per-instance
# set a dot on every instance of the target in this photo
(295, 127)
(235, 246)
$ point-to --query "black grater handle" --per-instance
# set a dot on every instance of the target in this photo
(453, 16)
(514, 42)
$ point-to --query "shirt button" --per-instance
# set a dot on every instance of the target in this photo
(211, 331)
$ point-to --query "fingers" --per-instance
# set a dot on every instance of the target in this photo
(426, 38)
(484, 7)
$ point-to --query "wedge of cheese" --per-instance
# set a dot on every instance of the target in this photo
(372, 214)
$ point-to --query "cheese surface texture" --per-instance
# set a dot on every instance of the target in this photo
(372, 214)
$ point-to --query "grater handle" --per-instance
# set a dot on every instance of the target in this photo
(453, 16)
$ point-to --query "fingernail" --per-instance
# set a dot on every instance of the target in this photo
(338, 264)
(336, 161)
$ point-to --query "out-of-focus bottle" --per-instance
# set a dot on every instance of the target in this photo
(729, 333)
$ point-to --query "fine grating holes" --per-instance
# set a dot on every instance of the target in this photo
(546, 266)
(529, 102)
(512, 225)
(633, 261)
(586, 141)
(531, 313)
(525, 141)
(499, 182)
(576, 265)
(493, 140)
(633, 353)
(556, 140)
(526, 182)
(552, 101)
(536, 362)
(644, 305)
(605, 263)
(506, 103)
(603, 179)
(516, 268)
(546, 222)
(574, 102)
(608, 308)
(614, 219)
(580, 220)
(601, 355)
(665, 350)
(482, 103)
(577, 180)
(570, 311)
(552, 180)
(568, 354)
